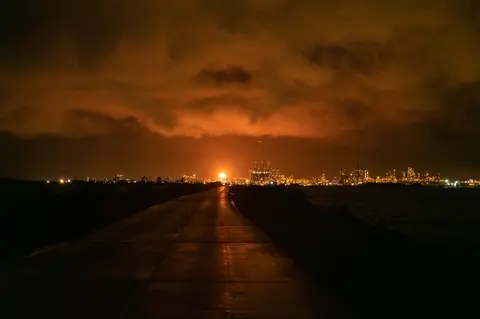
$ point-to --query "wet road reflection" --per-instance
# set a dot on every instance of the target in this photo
(192, 258)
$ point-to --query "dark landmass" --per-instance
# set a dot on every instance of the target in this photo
(37, 214)
(429, 215)
(375, 270)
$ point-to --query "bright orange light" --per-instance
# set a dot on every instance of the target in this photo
(222, 175)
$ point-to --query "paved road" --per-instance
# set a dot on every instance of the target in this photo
(195, 257)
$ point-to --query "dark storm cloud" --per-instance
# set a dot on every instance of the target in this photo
(81, 122)
(232, 74)
(306, 55)
(336, 71)
(46, 34)
(355, 110)
(210, 104)
(456, 127)
(4, 94)
(361, 57)
(15, 116)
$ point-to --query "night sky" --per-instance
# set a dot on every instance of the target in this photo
(151, 87)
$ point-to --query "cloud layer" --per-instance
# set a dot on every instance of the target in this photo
(298, 68)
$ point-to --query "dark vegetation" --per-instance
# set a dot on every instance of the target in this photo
(373, 270)
(36, 214)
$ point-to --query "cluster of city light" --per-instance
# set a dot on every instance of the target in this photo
(451, 184)
(118, 180)
(264, 174)
(471, 183)
(60, 181)
(194, 179)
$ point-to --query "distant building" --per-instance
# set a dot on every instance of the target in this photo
(343, 180)
(194, 179)
(359, 176)
(391, 176)
(263, 173)
(411, 176)
(118, 178)
(240, 181)
(322, 180)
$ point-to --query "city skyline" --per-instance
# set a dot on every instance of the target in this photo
(264, 171)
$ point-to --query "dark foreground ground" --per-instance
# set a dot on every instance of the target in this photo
(36, 214)
(192, 258)
(375, 270)
(197, 257)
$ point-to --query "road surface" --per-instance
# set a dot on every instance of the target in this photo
(194, 257)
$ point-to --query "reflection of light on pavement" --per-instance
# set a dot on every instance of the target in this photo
(227, 257)
(227, 260)
(227, 297)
